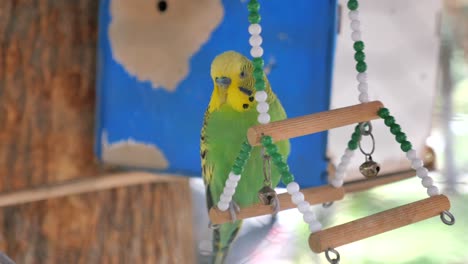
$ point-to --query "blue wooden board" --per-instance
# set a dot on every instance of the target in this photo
(299, 40)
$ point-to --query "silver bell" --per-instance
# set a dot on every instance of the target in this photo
(370, 168)
(266, 195)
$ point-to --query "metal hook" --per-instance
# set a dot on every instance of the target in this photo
(335, 260)
(373, 145)
(445, 214)
(213, 226)
(266, 168)
(327, 204)
(363, 126)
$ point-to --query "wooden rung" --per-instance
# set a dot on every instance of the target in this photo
(316, 195)
(366, 184)
(309, 124)
(378, 223)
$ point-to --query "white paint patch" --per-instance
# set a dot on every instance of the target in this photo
(133, 154)
(156, 46)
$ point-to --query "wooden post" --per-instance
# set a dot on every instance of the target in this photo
(316, 195)
(309, 124)
(378, 223)
(47, 98)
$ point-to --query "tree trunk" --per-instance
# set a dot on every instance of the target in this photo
(47, 103)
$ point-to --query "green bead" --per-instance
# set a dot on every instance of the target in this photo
(383, 112)
(237, 170)
(357, 129)
(361, 66)
(266, 140)
(400, 137)
(352, 145)
(258, 74)
(283, 167)
(239, 162)
(253, 6)
(353, 4)
(272, 148)
(254, 18)
(355, 137)
(359, 56)
(258, 63)
(259, 85)
(244, 155)
(395, 129)
(287, 178)
(246, 147)
(389, 120)
(406, 146)
(277, 158)
(358, 46)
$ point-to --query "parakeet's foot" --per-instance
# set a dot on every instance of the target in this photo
(275, 204)
(233, 210)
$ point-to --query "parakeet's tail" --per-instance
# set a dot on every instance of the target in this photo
(222, 240)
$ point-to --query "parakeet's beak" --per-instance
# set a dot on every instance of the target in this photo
(223, 82)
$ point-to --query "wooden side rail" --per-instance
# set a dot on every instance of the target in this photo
(367, 184)
(316, 195)
(378, 223)
(309, 124)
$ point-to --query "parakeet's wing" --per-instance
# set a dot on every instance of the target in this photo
(207, 167)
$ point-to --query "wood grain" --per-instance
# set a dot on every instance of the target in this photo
(309, 124)
(47, 98)
(316, 195)
(378, 223)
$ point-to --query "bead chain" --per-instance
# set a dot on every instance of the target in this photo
(361, 68)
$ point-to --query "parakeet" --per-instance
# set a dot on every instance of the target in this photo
(231, 111)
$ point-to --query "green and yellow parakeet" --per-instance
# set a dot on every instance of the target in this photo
(231, 111)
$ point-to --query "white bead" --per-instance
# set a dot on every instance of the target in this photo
(356, 35)
(315, 226)
(255, 40)
(309, 217)
(432, 191)
(231, 184)
(345, 159)
(303, 206)
(229, 191)
(339, 175)
(297, 197)
(422, 172)
(261, 96)
(363, 87)
(353, 15)
(349, 153)
(255, 29)
(355, 25)
(263, 107)
(363, 97)
(225, 198)
(223, 206)
(337, 182)
(234, 177)
(427, 181)
(263, 118)
(341, 167)
(292, 187)
(256, 52)
(416, 163)
(362, 77)
(411, 154)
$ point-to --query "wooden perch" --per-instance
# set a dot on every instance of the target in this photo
(309, 124)
(85, 185)
(316, 195)
(378, 223)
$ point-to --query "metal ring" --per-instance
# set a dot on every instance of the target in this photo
(362, 128)
(327, 204)
(445, 214)
(373, 146)
(335, 260)
(213, 226)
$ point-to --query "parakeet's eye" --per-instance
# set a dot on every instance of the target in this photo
(162, 6)
(242, 74)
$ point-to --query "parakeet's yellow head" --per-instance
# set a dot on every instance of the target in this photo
(233, 80)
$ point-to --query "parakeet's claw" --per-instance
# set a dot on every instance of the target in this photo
(233, 210)
(275, 204)
(213, 226)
